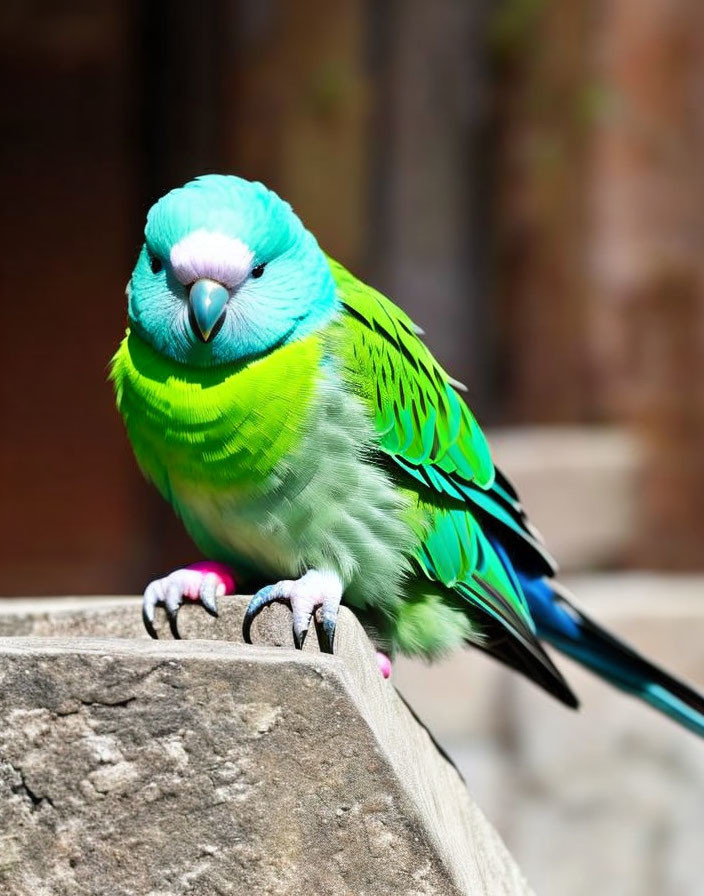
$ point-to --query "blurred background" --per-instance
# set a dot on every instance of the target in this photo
(525, 177)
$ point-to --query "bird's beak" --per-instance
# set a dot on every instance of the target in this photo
(208, 299)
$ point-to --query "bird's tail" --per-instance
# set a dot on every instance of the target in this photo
(570, 630)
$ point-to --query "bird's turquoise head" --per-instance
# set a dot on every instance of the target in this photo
(227, 272)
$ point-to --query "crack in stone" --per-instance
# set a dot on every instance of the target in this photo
(125, 702)
(24, 789)
(74, 712)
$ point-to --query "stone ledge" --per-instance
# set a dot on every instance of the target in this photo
(204, 767)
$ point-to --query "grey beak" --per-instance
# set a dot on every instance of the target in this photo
(208, 299)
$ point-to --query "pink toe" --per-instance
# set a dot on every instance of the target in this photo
(384, 664)
(221, 570)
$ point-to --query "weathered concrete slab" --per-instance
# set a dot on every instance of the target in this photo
(203, 767)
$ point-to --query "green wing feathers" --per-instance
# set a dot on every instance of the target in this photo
(439, 454)
(422, 421)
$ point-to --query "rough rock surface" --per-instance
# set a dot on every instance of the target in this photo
(156, 768)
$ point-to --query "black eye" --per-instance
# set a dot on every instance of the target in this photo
(155, 263)
(258, 270)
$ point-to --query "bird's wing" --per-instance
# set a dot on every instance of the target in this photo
(424, 425)
(422, 422)
(438, 448)
(500, 511)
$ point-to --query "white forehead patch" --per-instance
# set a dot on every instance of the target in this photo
(207, 253)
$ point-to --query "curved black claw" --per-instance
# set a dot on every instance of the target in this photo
(299, 636)
(148, 620)
(326, 631)
(210, 606)
(172, 616)
(263, 598)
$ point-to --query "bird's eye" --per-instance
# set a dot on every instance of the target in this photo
(258, 270)
(155, 263)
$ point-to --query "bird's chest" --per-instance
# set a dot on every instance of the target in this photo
(291, 509)
(267, 464)
(217, 429)
(323, 506)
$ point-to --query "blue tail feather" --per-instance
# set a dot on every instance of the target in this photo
(567, 628)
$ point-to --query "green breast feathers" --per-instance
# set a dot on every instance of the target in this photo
(268, 466)
(221, 426)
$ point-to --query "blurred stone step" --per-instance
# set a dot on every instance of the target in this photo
(579, 486)
(608, 799)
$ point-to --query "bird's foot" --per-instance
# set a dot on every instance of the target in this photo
(384, 664)
(204, 582)
(317, 592)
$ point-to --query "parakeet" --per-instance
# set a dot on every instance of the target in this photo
(311, 442)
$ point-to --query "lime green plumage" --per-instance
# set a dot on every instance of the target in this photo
(263, 460)
(348, 449)
(219, 426)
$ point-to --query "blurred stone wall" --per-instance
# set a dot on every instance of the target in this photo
(647, 223)
(598, 227)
